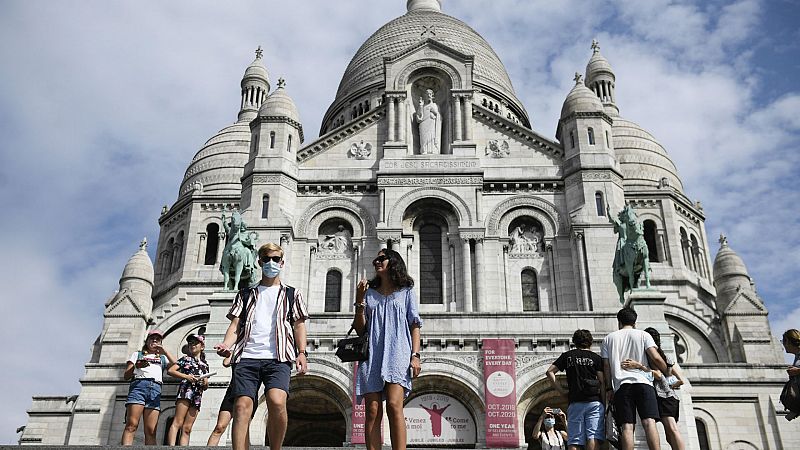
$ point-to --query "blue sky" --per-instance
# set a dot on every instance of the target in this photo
(103, 105)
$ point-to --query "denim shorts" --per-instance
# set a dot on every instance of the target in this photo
(585, 420)
(250, 373)
(145, 391)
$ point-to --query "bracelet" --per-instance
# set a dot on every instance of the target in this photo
(416, 355)
(359, 305)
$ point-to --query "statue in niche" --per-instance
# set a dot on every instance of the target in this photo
(525, 240)
(430, 126)
(360, 150)
(338, 242)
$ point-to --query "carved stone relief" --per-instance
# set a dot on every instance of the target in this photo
(360, 150)
(497, 149)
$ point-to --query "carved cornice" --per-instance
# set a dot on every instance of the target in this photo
(594, 175)
(503, 186)
(325, 189)
(588, 115)
(272, 178)
(281, 119)
(340, 134)
(550, 148)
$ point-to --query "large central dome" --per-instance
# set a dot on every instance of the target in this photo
(366, 69)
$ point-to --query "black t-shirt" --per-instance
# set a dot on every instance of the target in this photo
(582, 367)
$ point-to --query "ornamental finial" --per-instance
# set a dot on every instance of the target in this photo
(723, 240)
(259, 52)
(595, 46)
(281, 83)
(578, 78)
(143, 244)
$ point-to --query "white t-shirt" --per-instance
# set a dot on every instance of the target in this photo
(262, 341)
(152, 370)
(620, 345)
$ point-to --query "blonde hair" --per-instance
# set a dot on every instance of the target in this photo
(792, 336)
(269, 247)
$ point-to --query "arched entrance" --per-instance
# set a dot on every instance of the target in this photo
(442, 412)
(316, 410)
(534, 400)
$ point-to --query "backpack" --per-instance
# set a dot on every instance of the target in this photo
(790, 396)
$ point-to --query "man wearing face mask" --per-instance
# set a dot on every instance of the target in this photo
(267, 333)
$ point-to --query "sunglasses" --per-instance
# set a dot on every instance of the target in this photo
(276, 259)
(380, 259)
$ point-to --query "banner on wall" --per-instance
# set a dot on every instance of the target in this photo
(499, 379)
(358, 417)
(438, 419)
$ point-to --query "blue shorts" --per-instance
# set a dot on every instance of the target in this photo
(250, 373)
(585, 421)
(145, 391)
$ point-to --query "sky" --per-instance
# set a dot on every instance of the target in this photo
(104, 104)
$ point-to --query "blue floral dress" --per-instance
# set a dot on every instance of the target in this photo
(389, 322)
(187, 390)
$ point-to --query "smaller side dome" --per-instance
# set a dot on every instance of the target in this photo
(280, 104)
(139, 266)
(729, 267)
(597, 64)
(580, 99)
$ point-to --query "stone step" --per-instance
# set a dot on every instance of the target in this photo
(156, 447)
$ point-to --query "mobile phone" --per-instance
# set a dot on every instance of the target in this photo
(556, 410)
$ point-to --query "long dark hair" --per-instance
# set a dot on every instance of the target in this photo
(656, 337)
(397, 271)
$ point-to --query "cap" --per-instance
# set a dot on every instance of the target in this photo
(196, 337)
(155, 333)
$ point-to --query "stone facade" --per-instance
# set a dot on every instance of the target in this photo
(504, 229)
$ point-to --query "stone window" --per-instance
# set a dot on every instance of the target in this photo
(271, 139)
(265, 206)
(608, 142)
(212, 244)
(685, 249)
(254, 140)
(696, 255)
(530, 291)
(590, 133)
(571, 139)
(168, 254)
(289, 144)
(333, 291)
(430, 264)
(600, 204)
(177, 253)
(650, 238)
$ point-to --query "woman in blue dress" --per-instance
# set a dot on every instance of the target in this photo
(386, 309)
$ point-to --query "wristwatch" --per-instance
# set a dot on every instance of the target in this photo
(416, 355)
(304, 352)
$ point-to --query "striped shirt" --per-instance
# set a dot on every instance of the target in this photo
(284, 335)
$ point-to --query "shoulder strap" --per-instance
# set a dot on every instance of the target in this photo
(290, 301)
(163, 360)
(245, 294)
(139, 354)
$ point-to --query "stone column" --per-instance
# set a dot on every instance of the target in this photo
(220, 246)
(467, 274)
(468, 118)
(584, 299)
(392, 121)
(661, 248)
(402, 118)
(505, 275)
(480, 266)
(285, 243)
(458, 116)
(307, 294)
(201, 248)
(551, 304)
(453, 305)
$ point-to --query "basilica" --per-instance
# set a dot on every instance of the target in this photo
(427, 150)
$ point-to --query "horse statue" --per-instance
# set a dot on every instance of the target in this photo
(239, 256)
(631, 258)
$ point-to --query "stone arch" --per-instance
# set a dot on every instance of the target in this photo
(426, 207)
(319, 412)
(402, 79)
(451, 368)
(532, 401)
(362, 221)
(197, 313)
(164, 419)
(395, 217)
(692, 328)
(741, 445)
(712, 430)
(509, 209)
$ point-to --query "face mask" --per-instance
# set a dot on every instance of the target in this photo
(549, 423)
(271, 269)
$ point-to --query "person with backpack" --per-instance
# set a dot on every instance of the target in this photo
(790, 397)
(266, 335)
(669, 404)
(189, 370)
(145, 369)
(586, 413)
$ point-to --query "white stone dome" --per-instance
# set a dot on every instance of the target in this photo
(280, 104)
(643, 161)
(729, 266)
(139, 267)
(580, 99)
(218, 167)
(256, 70)
(598, 64)
(366, 69)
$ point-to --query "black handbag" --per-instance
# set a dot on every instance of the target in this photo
(352, 349)
(790, 396)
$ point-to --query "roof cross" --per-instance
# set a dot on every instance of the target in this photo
(595, 46)
(143, 244)
(578, 78)
(723, 240)
(281, 83)
(259, 52)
